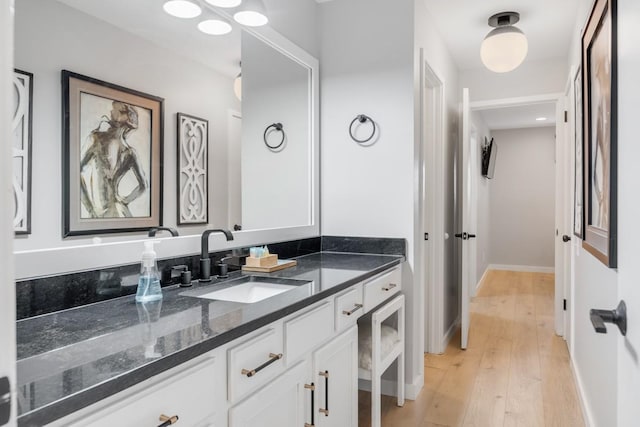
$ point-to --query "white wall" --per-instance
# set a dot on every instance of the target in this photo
(368, 191)
(531, 78)
(595, 356)
(297, 20)
(277, 185)
(483, 186)
(522, 219)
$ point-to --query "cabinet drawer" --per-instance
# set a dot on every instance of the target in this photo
(190, 394)
(349, 307)
(255, 361)
(381, 288)
(305, 332)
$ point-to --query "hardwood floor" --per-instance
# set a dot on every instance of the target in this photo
(515, 372)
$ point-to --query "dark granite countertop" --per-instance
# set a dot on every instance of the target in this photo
(73, 358)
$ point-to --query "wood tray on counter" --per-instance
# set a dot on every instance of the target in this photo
(281, 265)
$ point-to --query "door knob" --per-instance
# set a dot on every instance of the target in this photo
(565, 238)
(617, 317)
(471, 236)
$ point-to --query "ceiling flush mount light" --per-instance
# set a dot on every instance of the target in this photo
(214, 27)
(505, 47)
(252, 14)
(224, 3)
(541, 119)
(182, 8)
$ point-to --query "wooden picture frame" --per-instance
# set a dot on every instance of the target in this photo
(22, 150)
(112, 157)
(599, 71)
(192, 170)
(578, 176)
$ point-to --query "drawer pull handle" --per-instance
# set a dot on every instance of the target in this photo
(272, 358)
(311, 387)
(168, 421)
(325, 411)
(391, 286)
(355, 308)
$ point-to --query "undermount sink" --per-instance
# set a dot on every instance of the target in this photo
(249, 289)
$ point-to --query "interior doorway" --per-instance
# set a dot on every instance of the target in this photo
(431, 208)
(533, 238)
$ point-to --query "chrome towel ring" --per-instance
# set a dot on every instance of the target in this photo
(362, 118)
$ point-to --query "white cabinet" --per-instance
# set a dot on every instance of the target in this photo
(335, 369)
(285, 402)
(193, 392)
(253, 362)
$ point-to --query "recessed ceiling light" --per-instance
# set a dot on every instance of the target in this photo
(214, 27)
(541, 119)
(252, 14)
(224, 3)
(182, 9)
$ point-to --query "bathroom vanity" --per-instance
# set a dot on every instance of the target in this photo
(287, 360)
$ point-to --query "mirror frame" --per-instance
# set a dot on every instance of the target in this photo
(73, 258)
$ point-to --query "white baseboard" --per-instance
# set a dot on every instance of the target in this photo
(481, 281)
(411, 391)
(449, 334)
(523, 268)
(586, 410)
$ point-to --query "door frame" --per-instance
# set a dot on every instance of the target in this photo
(7, 290)
(560, 291)
(431, 202)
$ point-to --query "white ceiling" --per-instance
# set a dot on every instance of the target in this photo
(519, 117)
(548, 25)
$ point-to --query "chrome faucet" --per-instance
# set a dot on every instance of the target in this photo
(154, 230)
(205, 261)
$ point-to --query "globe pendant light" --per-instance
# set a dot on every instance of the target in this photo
(505, 47)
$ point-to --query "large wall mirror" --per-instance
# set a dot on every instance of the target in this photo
(239, 138)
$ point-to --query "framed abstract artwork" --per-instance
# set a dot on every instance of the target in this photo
(112, 152)
(22, 135)
(578, 195)
(599, 71)
(193, 170)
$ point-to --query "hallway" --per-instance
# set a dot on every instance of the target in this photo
(516, 371)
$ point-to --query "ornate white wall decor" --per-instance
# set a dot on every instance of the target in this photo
(21, 125)
(193, 194)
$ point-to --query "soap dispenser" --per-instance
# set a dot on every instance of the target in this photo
(149, 283)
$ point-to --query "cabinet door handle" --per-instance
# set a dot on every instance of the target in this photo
(167, 421)
(325, 410)
(391, 286)
(355, 308)
(272, 358)
(311, 387)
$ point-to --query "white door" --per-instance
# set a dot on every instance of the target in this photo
(285, 402)
(335, 370)
(466, 234)
(564, 228)
(7, 288)
(628, 212)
